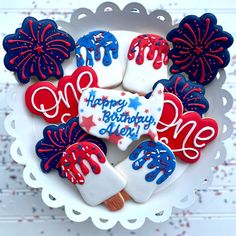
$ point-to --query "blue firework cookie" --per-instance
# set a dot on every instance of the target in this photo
(37, 48)
(56, 139)
(93, 42)
(199, 48)
(191, 94)
(160, 158)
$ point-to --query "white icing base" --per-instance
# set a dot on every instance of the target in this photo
(108, 76)
(137, 187)
(99, 187)
(141, 78)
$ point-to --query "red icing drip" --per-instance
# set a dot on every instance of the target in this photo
(23, 68)
(31, 29)
(59, 50)
(50, 36)
(158, 47)
(39, 69)
(11, 41)
(59, 41)
(75, 155)
(48, 27)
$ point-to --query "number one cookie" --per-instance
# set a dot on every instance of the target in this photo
(121, 117)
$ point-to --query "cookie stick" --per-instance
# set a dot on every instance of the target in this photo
(148, 166)
(85, 165)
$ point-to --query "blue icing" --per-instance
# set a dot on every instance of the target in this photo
(93, 42)
(192, 95)
(160, 158)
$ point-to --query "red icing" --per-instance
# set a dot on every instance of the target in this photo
(75, 160)
(185, 133)
(158, 48)
(61, 102)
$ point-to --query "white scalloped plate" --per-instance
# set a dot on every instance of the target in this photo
(178, 191)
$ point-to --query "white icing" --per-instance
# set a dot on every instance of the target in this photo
(150, 108)
(99, 187)
(141, 78)
(108, 76)
(177, 123)
(137, 187)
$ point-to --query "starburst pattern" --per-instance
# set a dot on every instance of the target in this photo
(199, 48)
(56, 139)
(37, 48)
(191, 94)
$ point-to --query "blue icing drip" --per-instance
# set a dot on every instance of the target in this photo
(93, 42)
(161, 160)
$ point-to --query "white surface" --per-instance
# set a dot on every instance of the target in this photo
(214, 211)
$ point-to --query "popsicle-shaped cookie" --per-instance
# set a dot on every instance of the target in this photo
(147, 63)
(148, 166)
(85, 165)
(100, 50)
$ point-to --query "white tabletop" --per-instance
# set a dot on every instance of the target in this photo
(21, 208)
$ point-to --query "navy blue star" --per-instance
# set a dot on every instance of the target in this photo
(134, 103)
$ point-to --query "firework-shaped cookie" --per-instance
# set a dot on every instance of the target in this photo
(147, 63)
(84, 164)
(100, 50)
(37, 48)
(199, 48)
(57, 138)
(191, 94)
(148, 166)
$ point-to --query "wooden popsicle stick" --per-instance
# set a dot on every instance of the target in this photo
(115, 203)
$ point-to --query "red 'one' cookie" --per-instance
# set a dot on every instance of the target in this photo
(185, 133)
(59, 104)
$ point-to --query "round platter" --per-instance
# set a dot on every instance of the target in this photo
(178, 190)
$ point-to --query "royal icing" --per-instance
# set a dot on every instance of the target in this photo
(85, 165)
(77, 154)
(199, 48)
(150, 52)
(191, 94)
(121, 117)
(185, 133)
(37, 48)
(148, 166)
(100, 50)
(56, 139)
(62, 101)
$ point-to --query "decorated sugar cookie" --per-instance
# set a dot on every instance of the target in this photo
(199, 48)
(59, 104)
(148, 166)
(148, 59)
(37, 48)
(56, 139)
(121, 117)
(100, 50)
(191, 94)
(85, 165)
(185, 133)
